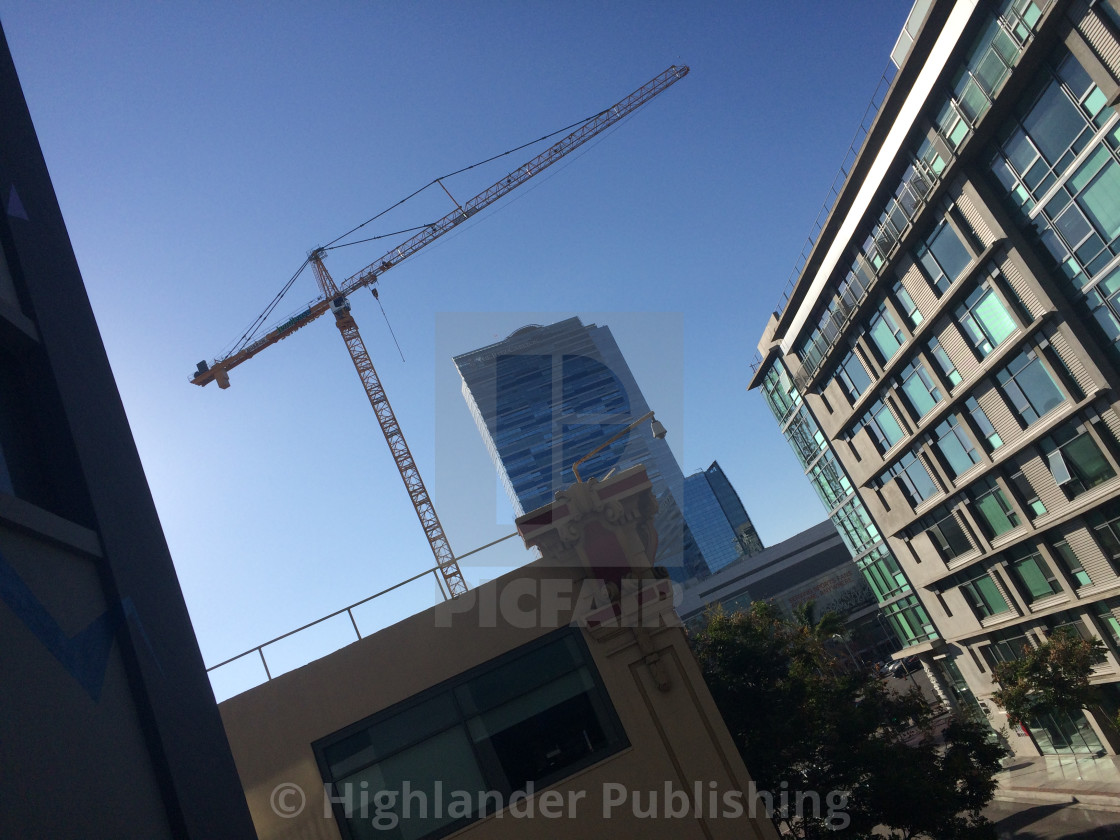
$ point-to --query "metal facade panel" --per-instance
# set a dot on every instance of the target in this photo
(1090, 555)
(1022, 288)
(919, 288)
(975, 220)
(959, 351)
(1093, 30)
(1005, 423)
(1038, 474)
(1073, 362)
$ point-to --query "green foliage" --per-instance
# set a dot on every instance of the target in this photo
(802, 724)
(1053, 677)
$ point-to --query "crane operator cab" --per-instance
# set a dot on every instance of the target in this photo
(340, 306)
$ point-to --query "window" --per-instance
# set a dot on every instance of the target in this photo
(983, 424)
(1029, 387)
(881, 426)
(529, 718)
(913, 478)
(855, 527)
(1104, 301)
(946, 533)
(984, 320)
(1068, 558)
(943, 257)
(906, 304)
(993, 510)
(909, 620)
(917, 386)
(885, 334)
(943, 362)
(1106, 620)
(955, 446)
(852, 377)
(830, 482)
(780, 393)
(982, 594)
(1006, 646)
(882, 573)
(805, 437)
(1028, 495)
(1067, 621)
(1075, 460)
(1080, 222)
(1080, 225)
(1033, 574)
(1105, 523)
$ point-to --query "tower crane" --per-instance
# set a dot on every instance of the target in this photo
(334, 297)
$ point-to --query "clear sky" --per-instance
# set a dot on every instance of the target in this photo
(200, 150)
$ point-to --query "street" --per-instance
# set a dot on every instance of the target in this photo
(1024, 821)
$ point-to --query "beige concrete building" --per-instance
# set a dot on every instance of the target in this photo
(945, 364)
(560, 700)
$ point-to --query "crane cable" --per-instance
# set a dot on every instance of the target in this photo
(251, 330)
(461, 171)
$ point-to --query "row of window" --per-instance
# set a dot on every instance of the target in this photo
(983, 319)
(1077, 461)
(1008, 645)
(1036, 569)
(994, 53)
(1028, 389)
(860, 535)
(1062, 173)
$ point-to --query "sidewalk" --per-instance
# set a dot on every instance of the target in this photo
(1085, 779)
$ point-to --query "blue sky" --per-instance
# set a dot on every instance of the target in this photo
(200, 150)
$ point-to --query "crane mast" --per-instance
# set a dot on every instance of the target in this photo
(398, 446)
(334, 297)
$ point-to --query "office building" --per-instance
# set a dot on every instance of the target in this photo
(717, 519)
(945, 364)
(548, 395)
(813, 567)
(109, 727)
(534, 706)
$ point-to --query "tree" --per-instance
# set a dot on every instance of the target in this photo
(804, 726)
(1053, 677)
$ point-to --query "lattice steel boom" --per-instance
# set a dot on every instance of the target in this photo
(218, 370)
(413, 483)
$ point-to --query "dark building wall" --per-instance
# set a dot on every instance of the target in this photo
(109, 726)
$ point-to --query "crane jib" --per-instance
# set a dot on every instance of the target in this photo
(369, 275)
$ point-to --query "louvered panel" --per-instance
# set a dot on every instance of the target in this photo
(959, 351)
(1080, 374)
(1112, 421)
(1095, 33)
(1000, 416)
(997, 579)
(1090, 555)
(975, 220)
(1022, 289)
(1038, 474)
(919, 288)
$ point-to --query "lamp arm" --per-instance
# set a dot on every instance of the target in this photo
(602, 446)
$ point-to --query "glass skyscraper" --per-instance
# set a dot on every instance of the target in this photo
(545, 397)
(717, 519)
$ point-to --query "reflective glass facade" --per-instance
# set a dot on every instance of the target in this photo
(548, 395)
(717, 519)
(862, 537)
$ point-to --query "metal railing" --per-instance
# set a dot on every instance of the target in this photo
(834, 190)
(259, 650)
